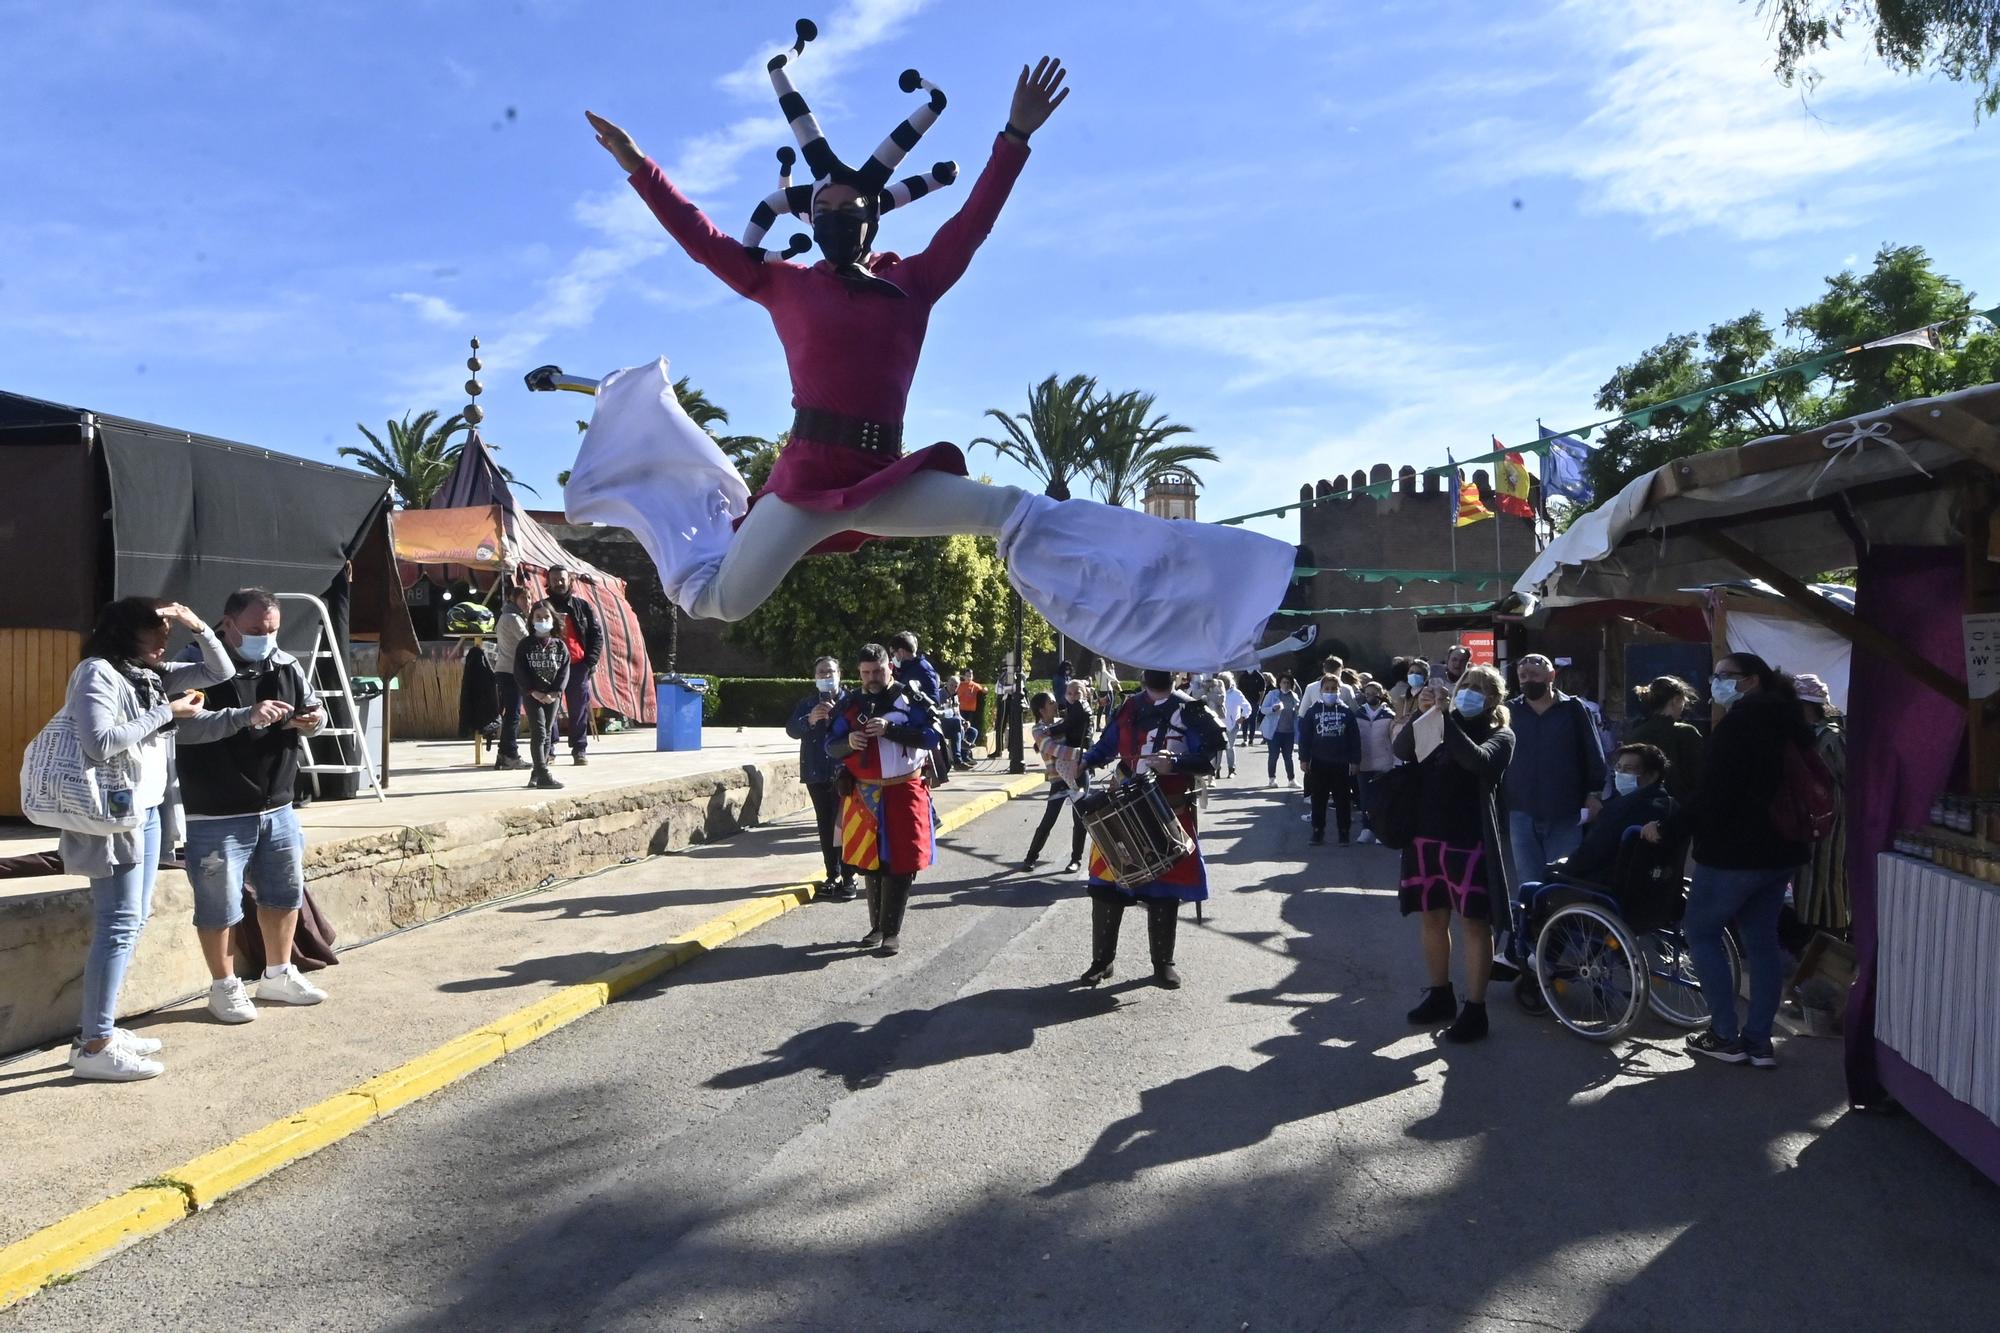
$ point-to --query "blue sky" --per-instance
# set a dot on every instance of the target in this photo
(1326, 235)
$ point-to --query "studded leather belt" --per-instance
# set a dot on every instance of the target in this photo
(875, 437)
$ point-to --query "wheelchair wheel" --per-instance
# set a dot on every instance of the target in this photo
(1673, 990)
(1590, 970)
(1528, 994)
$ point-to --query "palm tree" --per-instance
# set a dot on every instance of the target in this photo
(416, 459)
(1129, 450)
(708, 415)
(1052, 439)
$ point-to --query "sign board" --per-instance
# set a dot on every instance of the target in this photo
(1982, 655)
(1479, 643)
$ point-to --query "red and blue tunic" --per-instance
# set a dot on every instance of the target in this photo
(885, 822)
(850, 352)
(1181, 726)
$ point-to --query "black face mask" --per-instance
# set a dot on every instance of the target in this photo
(1535, 689)
(843, 238)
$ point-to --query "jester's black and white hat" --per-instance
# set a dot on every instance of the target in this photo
(871, 179)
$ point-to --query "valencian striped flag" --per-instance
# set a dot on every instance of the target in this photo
(1510, 484)
(1471, 509)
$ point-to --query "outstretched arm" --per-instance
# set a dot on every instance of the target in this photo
(721, 255)
(943, 262)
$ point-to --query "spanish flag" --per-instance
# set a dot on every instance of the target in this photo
(1510, 485)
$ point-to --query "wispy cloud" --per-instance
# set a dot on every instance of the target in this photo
(431, 309)
(1687, 127)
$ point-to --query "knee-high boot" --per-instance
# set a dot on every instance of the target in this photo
(1106, 915)
(895, 898)
(1163, 919)
(872, 880)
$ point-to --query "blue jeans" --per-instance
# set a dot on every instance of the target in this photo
(1364, 793)
(1752, 899)
(1281, 744)
(269, 849)
(1536, 842)
(120, 903)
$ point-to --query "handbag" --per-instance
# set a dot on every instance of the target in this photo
(62, 789)
(1398, 800)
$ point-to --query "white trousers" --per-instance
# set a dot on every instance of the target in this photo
(1154, 593)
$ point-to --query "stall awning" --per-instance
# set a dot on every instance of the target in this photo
(1801, 502)
(474, 536)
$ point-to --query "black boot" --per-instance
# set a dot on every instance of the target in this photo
(873, 883)
(895, 898)
(1439, 1003)
(1106, 916)
(1163, 919)
(1470, 1024)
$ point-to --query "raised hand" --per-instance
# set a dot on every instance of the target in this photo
(1037, 95)
(620, 145)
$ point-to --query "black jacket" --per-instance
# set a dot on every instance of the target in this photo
(1730, 816)
(228, 767)
(589, 629)
(1461, 793)
(1597, 857)
(542, 665)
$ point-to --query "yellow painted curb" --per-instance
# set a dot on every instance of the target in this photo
(432, 1070)
(64, 1248)
(547, 1014)
(229, 1168)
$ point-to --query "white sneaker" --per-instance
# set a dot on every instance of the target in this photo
(135, 1043)
(229, 1001)
(1365, 837)
(289, 987)
(116, 1063)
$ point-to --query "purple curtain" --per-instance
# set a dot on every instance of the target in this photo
(1903, 744)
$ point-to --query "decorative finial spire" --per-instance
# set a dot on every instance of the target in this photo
(474, 413)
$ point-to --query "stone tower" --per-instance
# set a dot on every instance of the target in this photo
(1171, 495)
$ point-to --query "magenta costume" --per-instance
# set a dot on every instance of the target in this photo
(850, 351)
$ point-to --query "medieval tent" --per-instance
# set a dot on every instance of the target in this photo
(475, 525)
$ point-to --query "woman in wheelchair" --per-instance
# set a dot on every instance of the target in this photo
(1639, 773)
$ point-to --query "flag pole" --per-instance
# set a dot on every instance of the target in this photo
(1451, 516)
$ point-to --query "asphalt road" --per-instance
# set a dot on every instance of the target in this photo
(793, 1135)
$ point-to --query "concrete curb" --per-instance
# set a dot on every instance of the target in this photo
(56, 1253)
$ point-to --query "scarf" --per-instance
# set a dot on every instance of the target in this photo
(145, 683)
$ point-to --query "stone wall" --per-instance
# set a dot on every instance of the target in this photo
(380, 882)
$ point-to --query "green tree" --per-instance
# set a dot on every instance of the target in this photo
(1959, 39)
(415, 459)
(708, 416)
(1054, 438)
(1900, 293)
(951, 591)
(1129, 448)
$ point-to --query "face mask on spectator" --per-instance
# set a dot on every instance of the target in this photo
(544, 626)
(1627, 783)
(1723, 690)
(1418, 682)
(826, 684)
(1535, 689)
(1470, 703)
(257, 647)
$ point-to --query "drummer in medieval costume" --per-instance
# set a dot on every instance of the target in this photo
(1172, 735)
(852, 327)
(881, 735)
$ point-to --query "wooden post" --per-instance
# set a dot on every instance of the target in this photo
(1718, 644)
(1982, 594)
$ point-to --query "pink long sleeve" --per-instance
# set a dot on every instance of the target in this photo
(724, 256)
(942, 263)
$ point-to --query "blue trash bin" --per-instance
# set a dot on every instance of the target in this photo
(679, 727)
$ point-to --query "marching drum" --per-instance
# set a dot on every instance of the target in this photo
(1134, 829)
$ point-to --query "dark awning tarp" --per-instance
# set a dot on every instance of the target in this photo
(195, 518)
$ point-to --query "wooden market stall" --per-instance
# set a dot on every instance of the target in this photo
(1906, 496)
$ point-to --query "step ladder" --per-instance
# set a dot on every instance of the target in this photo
(342, 688)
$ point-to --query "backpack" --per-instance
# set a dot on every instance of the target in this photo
(1807, 801)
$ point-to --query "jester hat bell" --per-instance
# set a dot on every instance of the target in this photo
(871, 179)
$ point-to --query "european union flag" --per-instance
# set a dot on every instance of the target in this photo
(1563, 473)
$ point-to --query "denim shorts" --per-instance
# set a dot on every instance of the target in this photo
(267, 849)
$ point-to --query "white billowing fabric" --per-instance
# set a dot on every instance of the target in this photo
(645, 466)
(1158, 594)
(1793, 646)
